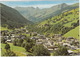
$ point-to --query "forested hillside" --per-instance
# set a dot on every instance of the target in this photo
(11, 18)
(59, 24)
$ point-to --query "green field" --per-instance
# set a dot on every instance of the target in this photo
(73, 33)
(4, 28)
(20, 51)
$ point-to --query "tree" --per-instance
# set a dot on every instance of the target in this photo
(20, 41)
(15, 43)
(9, 53)
(7, 47)
(27, 47)
(3, 40)
(62, 51)
(29, 43)
(40, 50)
(23, 45)
(75, 24)
(30, 54)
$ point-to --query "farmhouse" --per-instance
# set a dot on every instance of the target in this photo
(70, 38)
(9, 41)
(34, 38)
(57, 35)
(66, 44)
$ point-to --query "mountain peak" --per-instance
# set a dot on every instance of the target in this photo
(60, 6)
(63, 4)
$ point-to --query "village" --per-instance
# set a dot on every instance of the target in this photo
(48, 42)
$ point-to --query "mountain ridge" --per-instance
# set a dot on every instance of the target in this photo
(12, 17)
(38, 15)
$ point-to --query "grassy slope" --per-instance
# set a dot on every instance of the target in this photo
(73, 33)
(72, 19)
(2, 28)
(5, 28)
(20, 51)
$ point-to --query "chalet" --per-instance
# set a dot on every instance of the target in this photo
(4, 31)
(41, 36)
(5, 37)
(13, 35)
(66, 44)
(60, 39)
(39, 42)
(63, 38)
(77, 42)
(24, 30)
(51, 43)
(69, 38)
(70, 51)
(27, 32)
(73, 47)
(38, 34)
(9, 41)
(46, 24)
(46, 45)
(57, 35)
(50, 48)
(22, 36)
(44, 41)
(12, 32)
(47, 39)
(16, 36)
(34, 38)
(34, 33)
(60, 43)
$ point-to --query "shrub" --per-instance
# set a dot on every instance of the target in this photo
(62, 51)
(7, 47)
(9, 53)
(40, 50)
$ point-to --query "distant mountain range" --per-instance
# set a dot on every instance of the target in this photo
(11, 17)
(38, 15)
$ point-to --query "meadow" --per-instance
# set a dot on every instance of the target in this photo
(20, 51)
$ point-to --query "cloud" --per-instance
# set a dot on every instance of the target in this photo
(40, 6)
(39, 0)
(36, 3)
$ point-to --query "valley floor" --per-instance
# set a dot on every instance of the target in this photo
(50, 43)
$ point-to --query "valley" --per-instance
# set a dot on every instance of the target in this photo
(40, 32)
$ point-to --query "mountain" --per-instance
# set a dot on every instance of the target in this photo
(59, 24)
(38, 15)
(11, 17)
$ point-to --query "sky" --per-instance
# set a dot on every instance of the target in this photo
(36, 3)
